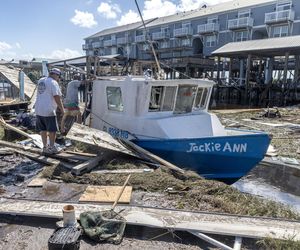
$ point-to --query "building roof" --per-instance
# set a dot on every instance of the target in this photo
(262, 47)
(122, 28)
(181, 16)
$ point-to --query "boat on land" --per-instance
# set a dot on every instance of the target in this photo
(170, 118)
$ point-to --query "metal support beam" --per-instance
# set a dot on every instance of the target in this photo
(285, 71)
(241, 76)
(218, 70)
(247, 77)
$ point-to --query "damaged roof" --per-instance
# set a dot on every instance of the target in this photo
(11, 74)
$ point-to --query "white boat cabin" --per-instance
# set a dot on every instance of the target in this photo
(135, 107)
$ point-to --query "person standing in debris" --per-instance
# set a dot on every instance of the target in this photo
(71, 102)
(47, 100)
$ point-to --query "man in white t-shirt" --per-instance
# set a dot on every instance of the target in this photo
(47, 100)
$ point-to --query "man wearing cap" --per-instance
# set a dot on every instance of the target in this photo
(47, 100)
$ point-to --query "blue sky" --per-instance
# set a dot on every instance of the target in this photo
(56, 28)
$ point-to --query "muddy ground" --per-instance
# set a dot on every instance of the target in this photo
(158, 189)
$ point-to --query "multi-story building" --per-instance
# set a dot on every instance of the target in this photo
(199, 32)
(196, 34)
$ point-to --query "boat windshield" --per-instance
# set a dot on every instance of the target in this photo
(185, 99)
(178, 99)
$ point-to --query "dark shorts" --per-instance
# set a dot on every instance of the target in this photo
(46, 123)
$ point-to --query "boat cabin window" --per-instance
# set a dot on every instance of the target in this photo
(114, 99)
(162, 98)
(185, 99)
(202, 94)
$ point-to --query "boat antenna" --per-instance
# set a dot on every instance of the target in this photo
(159, 75)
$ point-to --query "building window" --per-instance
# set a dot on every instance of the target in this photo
(244, 13)
(165, 45)
(186, 42)
(286, 5)
(281, 31)
(241, 36)
(211, 41)
(212, 20)
(114, 99)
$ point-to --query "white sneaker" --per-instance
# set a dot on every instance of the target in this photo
(54, 150)
(51, 150)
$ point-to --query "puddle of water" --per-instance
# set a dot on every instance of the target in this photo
(260, 188)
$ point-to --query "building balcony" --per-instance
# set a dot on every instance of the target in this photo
(109, 43)
(96, 45)
(140, 39)
(183, 32)
(208, 28)
(280, 16)
(160, 35)
(240, 23)
(122, 40)
(86, 47)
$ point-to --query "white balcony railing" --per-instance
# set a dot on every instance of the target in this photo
(208, 28)
(160, 35)
(280, 16)
(239, 23)
(140, 38)
(109, 43)
(122, 40)
(187, 31)
(96, 45)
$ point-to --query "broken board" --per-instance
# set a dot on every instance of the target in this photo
(37, 182)
(106, 194)
(91, 136)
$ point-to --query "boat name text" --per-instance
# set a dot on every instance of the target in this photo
(218, 147)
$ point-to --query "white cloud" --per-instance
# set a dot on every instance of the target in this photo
(159, 8)
(18, 45)
(83, 19)
(63, 54)
(129, 17)
(109, 10)
(4, 47)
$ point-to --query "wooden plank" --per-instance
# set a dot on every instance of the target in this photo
(61, 155)
(124, 171)
(80, 153)
(37, 182)
(91, 136)
(153, 157)
(105, 194)
(213, 223)
(87, 166)
(43, 159)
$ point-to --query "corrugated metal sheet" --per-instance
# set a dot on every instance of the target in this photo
(272, 45)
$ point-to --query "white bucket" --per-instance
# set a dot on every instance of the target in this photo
(69, 216)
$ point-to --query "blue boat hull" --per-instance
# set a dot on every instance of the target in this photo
(225, 158)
